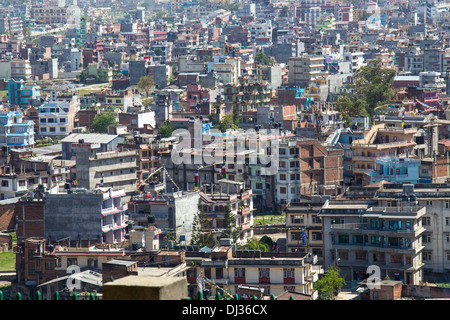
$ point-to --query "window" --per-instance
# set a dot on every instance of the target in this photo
(48, 265)
(343, 238)
(396, 258)
(288, 273)
(282, 177)
(317, 236)
(343, 255)
(72, 262)
(239, 272)
(408, 260)
(447, 204)
(426, 221)
(21, 183)
(316, 219)
(297, 219)
(283, 190)
(31, 268)
(361, 255)
(219, 273)
(426, 256)
(5, 183)
(264, 272)
(426, 238)
(93, 262)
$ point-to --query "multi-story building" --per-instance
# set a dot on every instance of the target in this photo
(381, 141)
(436, 222)
(21, 69)
(244, 98)
(86, 216)
(172, 212)
(105, 169)
(57, 116)
(395, 170)
(21, 95)
(358, 235)
(49, 14)
(241, 205)
(231, 270)
(15, 133)
(304, 69)
(304, 227)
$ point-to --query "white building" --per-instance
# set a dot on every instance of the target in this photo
(57, 116)
(14, 132)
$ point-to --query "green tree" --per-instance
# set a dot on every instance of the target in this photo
(374, 85)
(230, 224)
(262, 58)
(200, 226)
(225, 124)
(285, 12)
(330, 284)
(373, 89)
(166, 129)
(146, 84)
(255, 244)
(349, 108)
(267, 240)
(102, 121)
(83, 76)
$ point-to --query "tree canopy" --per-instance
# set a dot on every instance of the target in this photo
(146, 84)
(166, 130)
(102, 121)
(200, 224)
(230, 224)
(262, 58)
(372, 90)
(329, 285)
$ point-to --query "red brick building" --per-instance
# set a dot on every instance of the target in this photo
(321, 169)
(7, 219)
(30, 219)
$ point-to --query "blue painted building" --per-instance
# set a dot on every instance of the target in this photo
(21, 95)
(395, 170)
(14, 132)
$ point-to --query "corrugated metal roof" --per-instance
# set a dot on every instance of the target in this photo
(90, 137)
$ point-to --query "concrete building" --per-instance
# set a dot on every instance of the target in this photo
(436, 221)
(21, 95)
(15, 131)
(358, 235)
(381, 141)
(96, 168)
(232, 270)
(304, 227)
(172, 212)
(107, 142)
(241, 206)
(57, 116)
(304, 69)
(395, 170)
(84, 216)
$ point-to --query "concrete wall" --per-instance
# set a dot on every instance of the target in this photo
(146, 288)
(73, 215)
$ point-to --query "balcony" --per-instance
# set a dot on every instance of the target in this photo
(113, 227)
(414, 232)
(112, 210)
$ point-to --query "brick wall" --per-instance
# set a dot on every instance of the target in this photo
(7, 219)
(113, 272)
(30, 219)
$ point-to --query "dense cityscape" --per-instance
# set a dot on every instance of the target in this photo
(224, 150)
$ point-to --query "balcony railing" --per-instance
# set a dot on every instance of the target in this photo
(366, 226)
